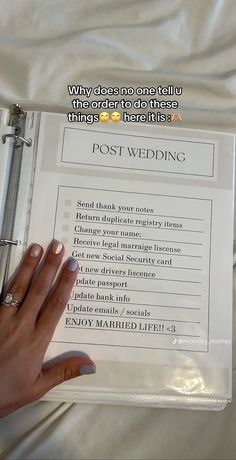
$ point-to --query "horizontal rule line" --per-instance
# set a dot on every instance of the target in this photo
(136, 304)
(142, 265)
(130, 346)
(134, 317)
(140, 290)
(137, 213)
(137, 226)
(133, 250)
(137, 238)
(130, 331)
(140, 278)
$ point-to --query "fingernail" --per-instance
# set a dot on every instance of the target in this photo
(56, 247)
(81, 354)
(35, 250)
(87, 369)
(72, 264)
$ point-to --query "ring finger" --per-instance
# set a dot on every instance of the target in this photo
(19, 285)
(42, 283)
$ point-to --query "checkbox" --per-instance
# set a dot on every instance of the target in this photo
(66, 215)
(64, 240)
(65, 228)
(67, 202)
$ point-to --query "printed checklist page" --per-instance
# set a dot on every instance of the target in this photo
(147, 212)
(144, 266)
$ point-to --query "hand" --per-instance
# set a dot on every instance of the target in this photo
(26, 332)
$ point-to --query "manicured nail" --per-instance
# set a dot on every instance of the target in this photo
(72, 264)
(87, 369)
(56, 247)
(81, 354)
(35, 250)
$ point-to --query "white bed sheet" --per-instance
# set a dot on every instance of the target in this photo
(46, 45)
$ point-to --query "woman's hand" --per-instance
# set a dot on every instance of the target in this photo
(26, 329)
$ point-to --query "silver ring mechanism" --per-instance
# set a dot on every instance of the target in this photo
(18, 139)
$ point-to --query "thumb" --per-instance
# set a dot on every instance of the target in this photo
(64, 370)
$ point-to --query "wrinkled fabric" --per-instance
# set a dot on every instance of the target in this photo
(46, 45)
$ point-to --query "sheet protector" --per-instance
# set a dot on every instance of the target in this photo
(144, 210)
(189, 43)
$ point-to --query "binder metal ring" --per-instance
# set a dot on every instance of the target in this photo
(28, 142)
(6, 242)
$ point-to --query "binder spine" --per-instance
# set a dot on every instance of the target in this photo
(17, 120)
